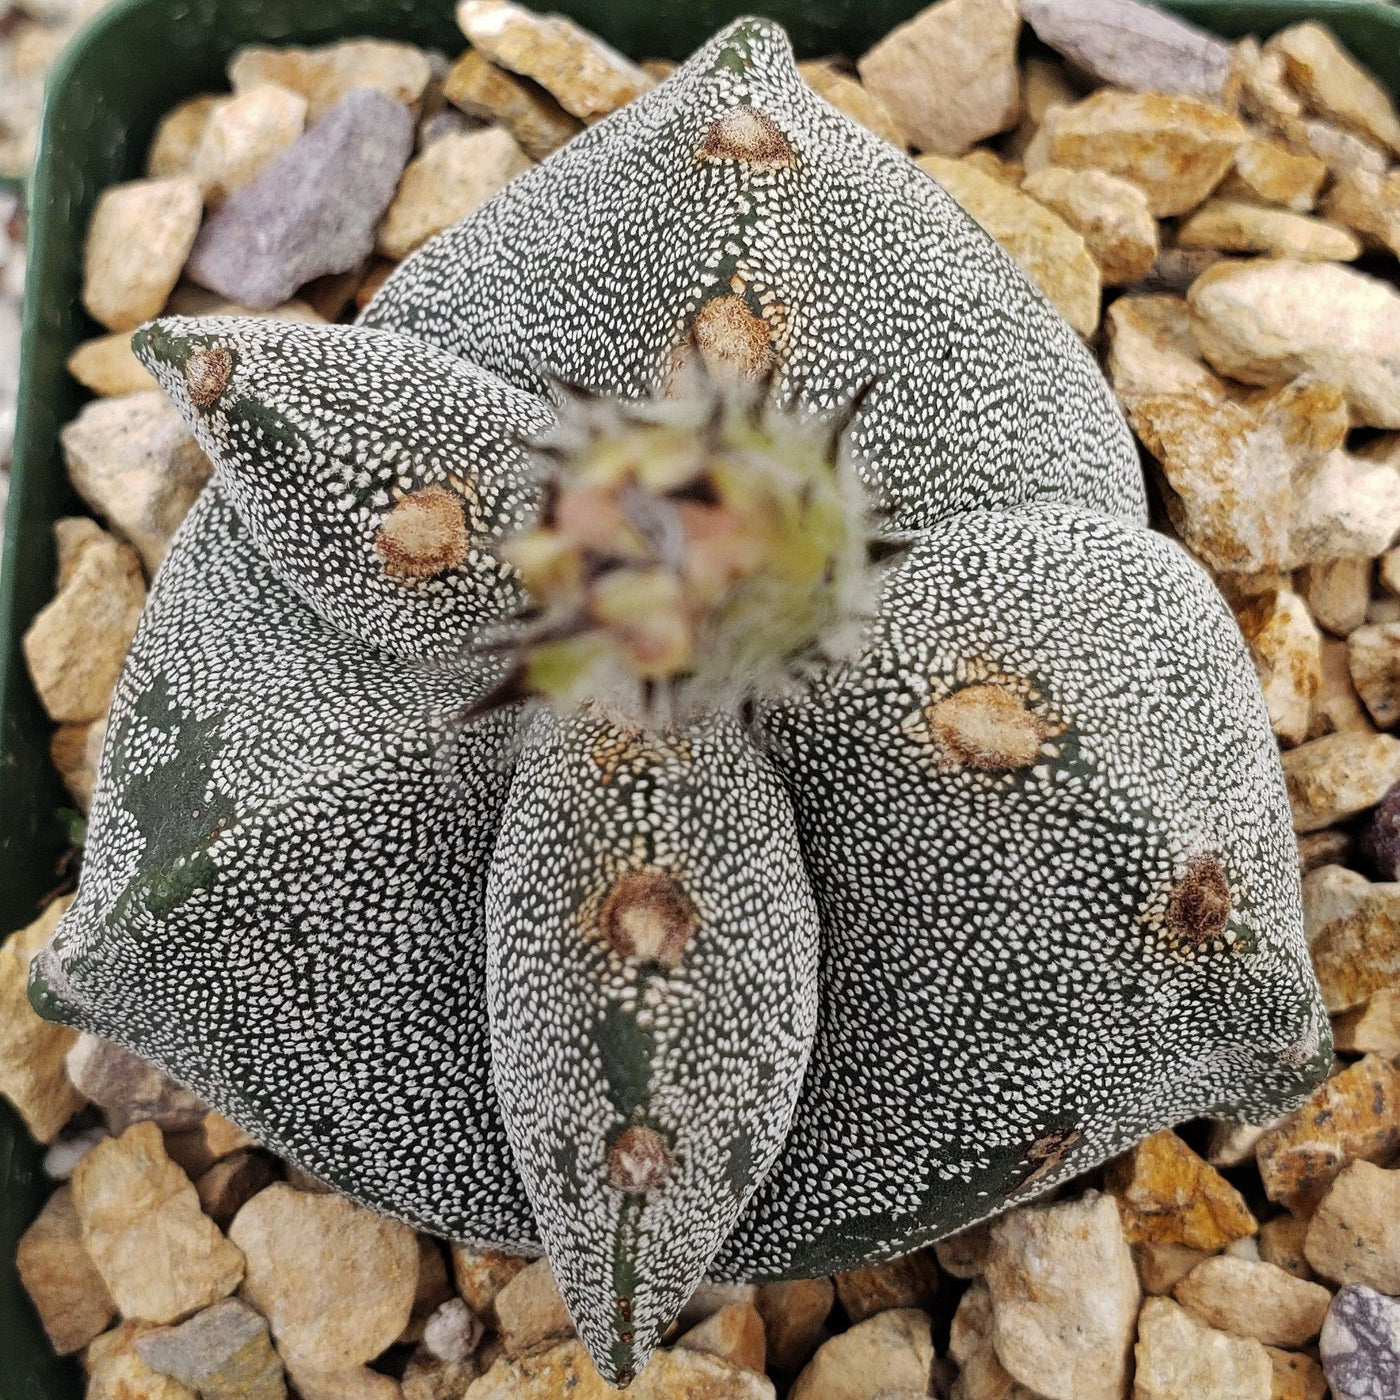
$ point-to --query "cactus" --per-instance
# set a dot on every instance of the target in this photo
(670, 744)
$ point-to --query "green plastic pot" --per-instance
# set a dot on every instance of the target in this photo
(129, 65)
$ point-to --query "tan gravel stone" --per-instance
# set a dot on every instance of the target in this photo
(138, 240)
(227, 1186)
(325, 75)
(1175, 149)
(133, 460)
(58, 1274)
(243, 136)
(1232, 1144)
(585, 76)
(1286, 648)
(107, 365)
(793, 1314)
(1110, 214)
(1338, 776)
(1064, 1298)
(1296, 1376)
(1374, 652)
(1044, 84)
(335, 1282)
(1162, 1266)
(1254, 1299)
(1354, 1236)
(481, 1274)
(159, 1255)
(1346, 505)
(1264, 90)
(1340, 150)
(223, 1352)
(885, 1352)
(908, 1282)
(1372, 1028)
(1368, 203)
(734, 1334)
(709, 1297)
(1337, 593)
(32, 1051)
(1321, 848)
(530, 1311)
(847, 95)
(1267, 170)
(1354, 1116)
(1338, 708)
(1235, 226)
(76, 644)
(1281, 1243)
(538, 123)
(981, 1376)
(964, 1255)
(128, 1089)
(1271, 319)
(1179, 1357)
(178, 135)
(444, 184)
(1335, 84)
(427, 1377)
(1250, 488)
(1169, 1195)
(346, 1383)
(431, 1294)
(1353, 931)
(948, 76)
(1152, 351)
(565, 1370)
(1388, 572)
(116, 1371)
(1046, 248)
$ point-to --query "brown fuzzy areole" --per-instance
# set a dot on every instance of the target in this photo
(423, 535)
(639, 1160)
(748, 135)
(986, 726)
(733, 342)
(1199, 908)
(648, 917)
(207, 372)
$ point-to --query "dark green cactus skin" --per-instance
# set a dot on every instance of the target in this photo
(977, 910)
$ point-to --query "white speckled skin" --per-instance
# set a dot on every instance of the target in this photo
(911, 988)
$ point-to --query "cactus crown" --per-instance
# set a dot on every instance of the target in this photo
(691, 554)
(776, 991)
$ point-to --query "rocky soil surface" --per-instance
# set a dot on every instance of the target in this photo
(1222, 223)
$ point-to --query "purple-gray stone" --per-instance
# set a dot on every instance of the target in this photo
(313, 211)
(1380, 838)
(1132, 45)
(1360, 1344)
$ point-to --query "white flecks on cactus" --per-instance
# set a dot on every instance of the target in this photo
(817, 977)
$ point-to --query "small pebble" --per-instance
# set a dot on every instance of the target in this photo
(137, 243)
(1353, 1116)
(529, 1310)
(243, 136)
(130, 1090)
(223, 1352)
(77, 642)
(1110, 214)
(1353, 929)
(159, 1255)
(1236, 226)
(33, 1076)
(313, 211)
(60, 1278)
(1254, 1299)
(734, 1333)
(538, 123)
(1338, 776)
(587, 77)
(133, 460)
(1180, 1358)
(1354, 1236)
(885, 1352)
(327, 75)
(948, 77)
(1360, 1345)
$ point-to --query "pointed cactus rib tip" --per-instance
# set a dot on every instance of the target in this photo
(692, 553)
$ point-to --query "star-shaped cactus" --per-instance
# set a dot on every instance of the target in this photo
(822, 907)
